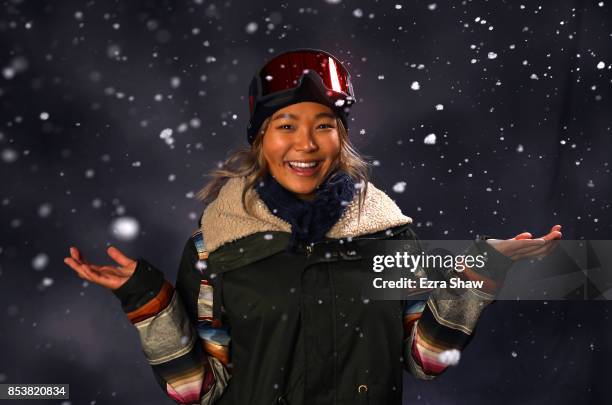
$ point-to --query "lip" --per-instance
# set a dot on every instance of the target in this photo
(304, 171)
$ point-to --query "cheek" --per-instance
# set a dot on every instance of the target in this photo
(331, 147)
(274, 149)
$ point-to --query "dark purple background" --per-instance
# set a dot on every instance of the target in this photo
(513, 153)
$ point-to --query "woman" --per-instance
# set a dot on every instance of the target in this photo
(272, 270)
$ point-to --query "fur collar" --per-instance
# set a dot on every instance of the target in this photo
(225, 219)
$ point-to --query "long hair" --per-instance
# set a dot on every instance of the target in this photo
(250, 161)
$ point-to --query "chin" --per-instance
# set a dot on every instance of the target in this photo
(299, 185)
(302, 190)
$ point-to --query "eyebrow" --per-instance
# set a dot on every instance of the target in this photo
(295, 117)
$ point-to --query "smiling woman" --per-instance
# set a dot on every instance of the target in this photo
(301, 146)
(267, 307)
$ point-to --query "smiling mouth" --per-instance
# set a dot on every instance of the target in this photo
(304, 167)
(298, 164)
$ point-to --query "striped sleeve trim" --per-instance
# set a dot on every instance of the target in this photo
(221, 378)
(143, 285)
(411, 357)
(176, 354)
(427, 354)
(412, 313)
(205, 386)
(187, 378)
(168, 334)
(443, 325)
(154, 306)
(187, 389)
(220, 352)
(428, 341)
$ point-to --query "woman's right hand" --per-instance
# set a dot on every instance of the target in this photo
(111, 277)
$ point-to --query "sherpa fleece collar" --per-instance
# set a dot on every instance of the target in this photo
(225, 219)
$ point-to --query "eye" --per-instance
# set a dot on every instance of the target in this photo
(326, 126)
(285, 127)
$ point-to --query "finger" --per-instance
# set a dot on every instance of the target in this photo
(524, 235)
(118, 256)
(75, 253)
(71, 263)
(555, 233)
(552, 235)
(78, 268)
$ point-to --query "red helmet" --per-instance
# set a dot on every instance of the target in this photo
(296, 76)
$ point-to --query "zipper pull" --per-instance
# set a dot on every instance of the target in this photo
(308, 250)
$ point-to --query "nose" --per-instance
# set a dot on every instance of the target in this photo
(305, 141)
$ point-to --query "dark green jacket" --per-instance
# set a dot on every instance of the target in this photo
(249, 323)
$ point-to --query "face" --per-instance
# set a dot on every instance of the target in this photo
(301, 146)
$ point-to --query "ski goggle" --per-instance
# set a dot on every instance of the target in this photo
(285, 71)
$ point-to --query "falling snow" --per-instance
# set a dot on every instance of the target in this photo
(430, 139)
(251, 27)
(399, 187)
(44, 210)
(9, 155)
(166, 135)
(175, 82)
(518, 120)
(450, 357)
(125, 228)
(40, 261)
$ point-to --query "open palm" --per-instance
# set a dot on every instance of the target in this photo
(524, 245)
(111, 277)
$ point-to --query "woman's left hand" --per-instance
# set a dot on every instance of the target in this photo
(523, 245)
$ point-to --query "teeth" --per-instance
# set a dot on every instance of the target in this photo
(303, 164)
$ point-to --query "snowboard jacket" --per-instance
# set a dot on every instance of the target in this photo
(249, 323)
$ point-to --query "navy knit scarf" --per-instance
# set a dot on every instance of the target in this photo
(310, 220)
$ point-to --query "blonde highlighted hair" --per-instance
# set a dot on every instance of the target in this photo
(250, 162)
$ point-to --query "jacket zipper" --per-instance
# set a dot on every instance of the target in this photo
(308, 250)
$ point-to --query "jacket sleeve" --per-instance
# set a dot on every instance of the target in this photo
(168, 334)
(437, 330)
